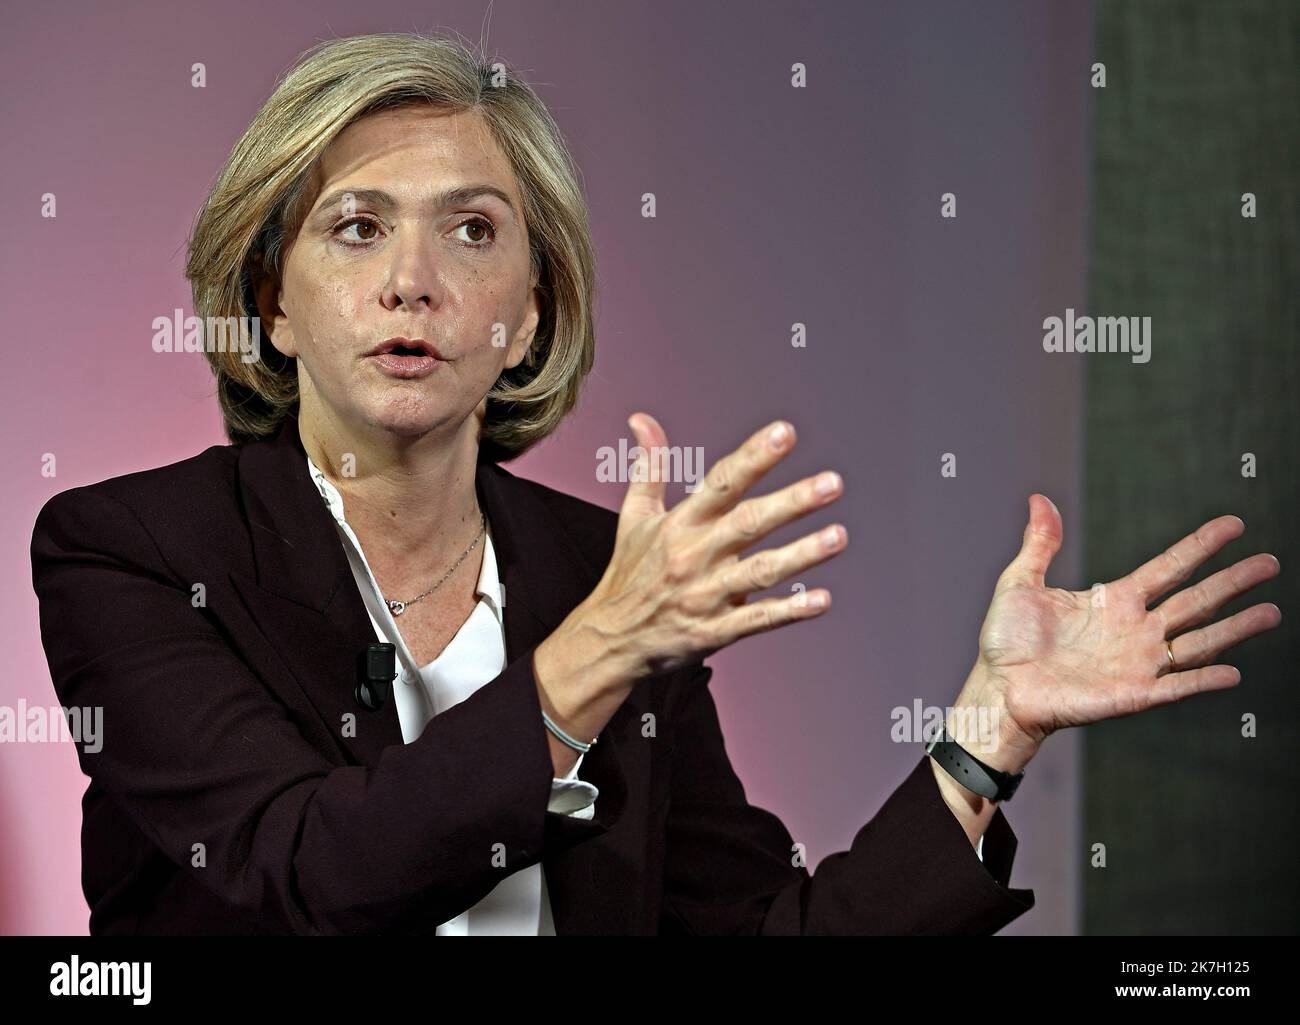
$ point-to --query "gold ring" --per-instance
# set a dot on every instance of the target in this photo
(1169, 650)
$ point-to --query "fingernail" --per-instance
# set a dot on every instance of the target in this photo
(830, 537)
(828, 483)
(777, 435)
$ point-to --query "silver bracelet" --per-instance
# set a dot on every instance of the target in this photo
(577, 745)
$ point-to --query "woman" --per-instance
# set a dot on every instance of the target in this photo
(406, 224)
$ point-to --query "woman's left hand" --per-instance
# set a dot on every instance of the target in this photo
(1051, 658)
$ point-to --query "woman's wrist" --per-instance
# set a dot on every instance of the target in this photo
(578, 695)
(980, 722)
(973, 812)
(581, 648)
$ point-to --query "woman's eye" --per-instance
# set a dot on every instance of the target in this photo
(480, 231)
(358, 222)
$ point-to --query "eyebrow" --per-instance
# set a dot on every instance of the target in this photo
(379, 198)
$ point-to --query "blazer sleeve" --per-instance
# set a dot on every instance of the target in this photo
(730, 866)
(198, 751)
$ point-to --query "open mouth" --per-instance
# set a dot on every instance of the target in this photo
(401, 346)
(406, 358)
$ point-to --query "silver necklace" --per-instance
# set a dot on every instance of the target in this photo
(398, 607)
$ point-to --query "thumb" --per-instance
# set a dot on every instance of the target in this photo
(646, 486)
(1042, 540)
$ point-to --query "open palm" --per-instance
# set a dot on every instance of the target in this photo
(1060, 658)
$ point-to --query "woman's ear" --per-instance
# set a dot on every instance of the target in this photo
(267, 292)
(528, 329)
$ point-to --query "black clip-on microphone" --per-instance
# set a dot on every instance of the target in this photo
(379, 667)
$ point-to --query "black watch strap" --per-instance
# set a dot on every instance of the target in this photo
(969, 771)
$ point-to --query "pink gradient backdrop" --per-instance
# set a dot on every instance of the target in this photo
(775, 205)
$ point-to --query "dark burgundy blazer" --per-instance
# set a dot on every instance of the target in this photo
(226, 725)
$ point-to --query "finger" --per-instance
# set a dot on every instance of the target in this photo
(1201, 646)
(1042, 540)
(1198, 603)
(755, 518)
(735, 473)
(1175, 686)
(1174, 565)
(769, 567)
(768, 614)
(645, 491)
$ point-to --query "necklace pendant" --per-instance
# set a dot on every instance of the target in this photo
(397, 607)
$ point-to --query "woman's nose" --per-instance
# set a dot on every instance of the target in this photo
(413, 272)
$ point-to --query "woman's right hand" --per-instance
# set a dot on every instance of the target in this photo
(676, 587)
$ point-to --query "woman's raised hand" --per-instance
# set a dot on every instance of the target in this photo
(676, 586)
(1051, 658)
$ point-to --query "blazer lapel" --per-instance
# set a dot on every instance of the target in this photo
(305, 601)
(304, 597)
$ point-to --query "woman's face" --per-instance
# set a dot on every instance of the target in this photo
(387, 250)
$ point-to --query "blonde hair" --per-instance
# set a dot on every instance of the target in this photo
(256, 208)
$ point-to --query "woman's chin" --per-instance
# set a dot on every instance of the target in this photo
(408, 419)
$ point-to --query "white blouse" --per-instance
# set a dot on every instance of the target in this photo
(518, 905)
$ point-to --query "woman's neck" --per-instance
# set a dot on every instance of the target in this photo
(411, 501)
